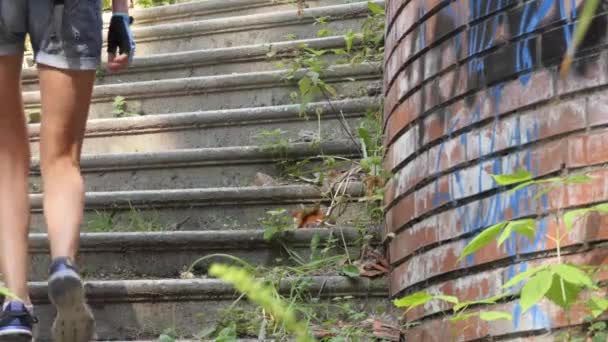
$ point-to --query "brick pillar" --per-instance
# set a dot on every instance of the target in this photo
(472, 89)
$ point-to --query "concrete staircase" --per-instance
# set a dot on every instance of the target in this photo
(204, 88)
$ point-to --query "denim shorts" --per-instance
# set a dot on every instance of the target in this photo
(65, 36)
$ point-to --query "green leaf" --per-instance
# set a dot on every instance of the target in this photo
(523, 275)
(349, 38)
(264, 295)
(514, 178)
(598, 326)
(376, 9)
(316, 53)
(571, 216)
(462, 317)
(228, 334)
(205, 333)
(331, 90)
(535, 289)
(449, 299)
(577, 179)
(525, 227)
(490, 300)
(589, 10)
(495, 315)
(506, 233)
(562, 293)
(165, 338)
(522, 185)
(535, 182)
(597, 306)
(573, 274)
(119, 99)
(585, 20)
(600, 337)
(350, 271)
(482, 239)
(304, 84)
(365, 135)
(368, 163)
(601, 208)
(413, 300)
(34, 117)
(324, 32)
(270, 232)
(314, 77)
(544, 191)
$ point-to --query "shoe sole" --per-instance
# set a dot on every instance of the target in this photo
(74, 321)
(16, 335)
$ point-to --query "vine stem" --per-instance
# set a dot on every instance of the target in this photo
(558, 243)
(341, 118)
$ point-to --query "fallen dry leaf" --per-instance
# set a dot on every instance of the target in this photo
(372, 264)
(377, 256)
(309, 218)
(322, 333)
(386, 331)
(372, 183)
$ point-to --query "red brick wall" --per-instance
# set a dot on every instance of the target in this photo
(472, 89)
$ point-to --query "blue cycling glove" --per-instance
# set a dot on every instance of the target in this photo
(120, 36)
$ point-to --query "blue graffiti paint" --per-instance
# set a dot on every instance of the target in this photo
(492, 210)
(422, 33)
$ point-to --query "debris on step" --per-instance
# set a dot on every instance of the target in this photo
(178, 225)
(309, 217)
(385, 331)
(307, 136)
(372, 264)
(262, 179)
(186, 275)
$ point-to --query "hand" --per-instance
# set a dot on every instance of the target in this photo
(120, 38)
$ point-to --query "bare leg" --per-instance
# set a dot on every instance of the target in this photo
(66, 95)
(14, 169)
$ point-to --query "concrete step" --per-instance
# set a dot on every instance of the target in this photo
(196, 168)
(253, 89)
(211, 9)
(203, 62)
(191, 209)
(157, 57)
(248, 29)
(131, 255)
(217, 128)
(143, 309)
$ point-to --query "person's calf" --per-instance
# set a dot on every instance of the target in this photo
(14, 203)
(63, 204)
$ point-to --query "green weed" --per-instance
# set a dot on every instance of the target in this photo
(100, 74)
(263, 295)
(561, 283)
(275, 222)
(135, 221)
(273, 140)
(298, 312)
(33, 116)
(120, 108)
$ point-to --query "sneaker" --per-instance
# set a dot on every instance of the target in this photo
(74, 321)
(16, 323)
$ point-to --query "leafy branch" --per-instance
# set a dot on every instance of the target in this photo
(561, 283)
